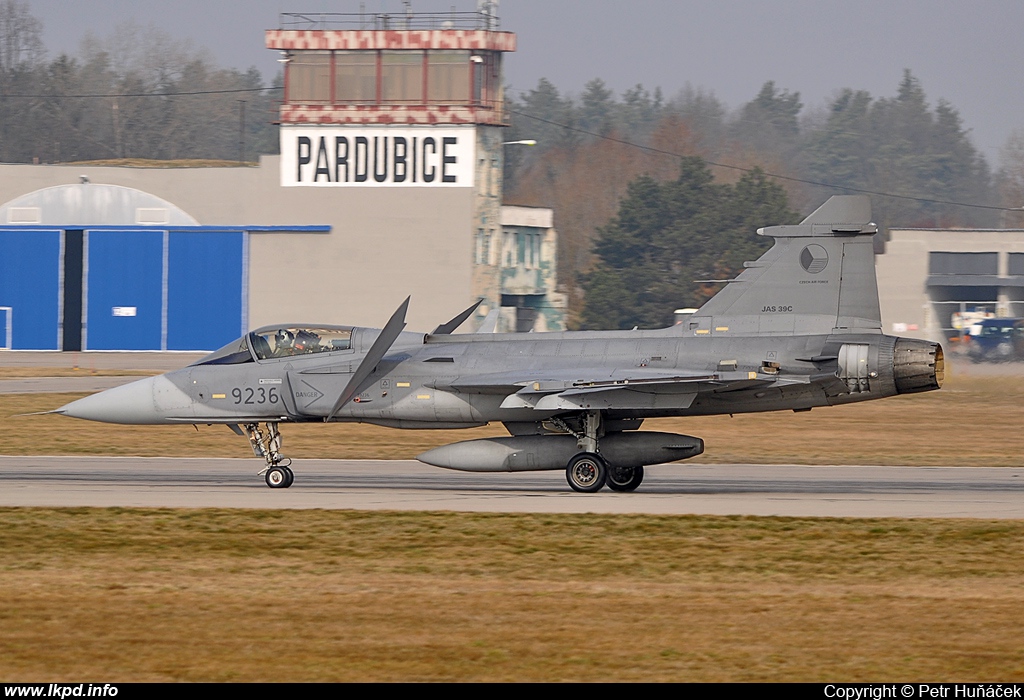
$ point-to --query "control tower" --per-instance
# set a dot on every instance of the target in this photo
(410, 103)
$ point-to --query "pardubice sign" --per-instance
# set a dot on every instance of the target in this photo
(357, 156)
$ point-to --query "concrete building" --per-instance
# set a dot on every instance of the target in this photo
(411, 102)
(925, 276)
(528, 271)
(388, 185)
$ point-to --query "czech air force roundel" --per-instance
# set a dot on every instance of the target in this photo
(813, 258)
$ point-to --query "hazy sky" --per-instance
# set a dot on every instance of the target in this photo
(969, 53)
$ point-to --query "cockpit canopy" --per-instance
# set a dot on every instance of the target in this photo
(294, 340)
(285, 341)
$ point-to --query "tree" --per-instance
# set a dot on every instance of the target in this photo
(1011, 179)
(584, 184)
(597, 109)
(668, 235)
(121, 98)
(21, 42)
(899, 145)
(549, 110)
(21, 54)
(704, 113)
(768, 123)
(639, 112)
(539, 116)
(766, 131)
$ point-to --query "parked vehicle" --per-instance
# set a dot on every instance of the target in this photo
(996, 340)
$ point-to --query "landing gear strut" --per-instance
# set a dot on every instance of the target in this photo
(587, 471)
(277, 473)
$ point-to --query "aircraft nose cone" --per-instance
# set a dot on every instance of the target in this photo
(131, 403)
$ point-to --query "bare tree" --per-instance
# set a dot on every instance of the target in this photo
(1011, 179)
(584, 185)
(21, 40)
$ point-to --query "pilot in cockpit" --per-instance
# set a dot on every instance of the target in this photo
(284, 343)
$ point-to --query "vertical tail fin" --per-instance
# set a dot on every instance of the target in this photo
(819, 277)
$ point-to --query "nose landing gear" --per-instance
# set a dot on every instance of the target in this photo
(278, 473)
(279, 477)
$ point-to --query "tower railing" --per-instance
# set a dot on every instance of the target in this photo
(370, 21)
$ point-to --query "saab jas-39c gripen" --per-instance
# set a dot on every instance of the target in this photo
(797, 329)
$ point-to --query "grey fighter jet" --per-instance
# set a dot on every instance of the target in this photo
(797, 329)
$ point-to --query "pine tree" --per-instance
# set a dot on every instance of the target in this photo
(666, 236)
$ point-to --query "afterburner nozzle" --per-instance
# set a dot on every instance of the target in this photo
(917, 365)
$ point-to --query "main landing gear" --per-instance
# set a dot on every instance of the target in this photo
(624, 479)
(588, 471)
(278, 473)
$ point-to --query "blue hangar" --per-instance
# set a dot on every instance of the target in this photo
(106, 267)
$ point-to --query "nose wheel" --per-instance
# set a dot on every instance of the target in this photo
(277, 473)
(279, 477)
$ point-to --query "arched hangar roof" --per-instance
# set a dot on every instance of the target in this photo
(88, 204)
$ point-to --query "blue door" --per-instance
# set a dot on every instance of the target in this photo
(205, 280)
(30, 289)
(124, 289)
(6, 329)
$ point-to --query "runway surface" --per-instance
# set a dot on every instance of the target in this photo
(727, 489)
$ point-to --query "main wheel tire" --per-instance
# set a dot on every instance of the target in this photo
(277, 478)
(624, 479)
(586, 472)
(291, 477)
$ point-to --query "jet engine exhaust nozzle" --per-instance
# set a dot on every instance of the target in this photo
(918, 365)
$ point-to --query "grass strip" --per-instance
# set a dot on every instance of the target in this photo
(242, 595)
